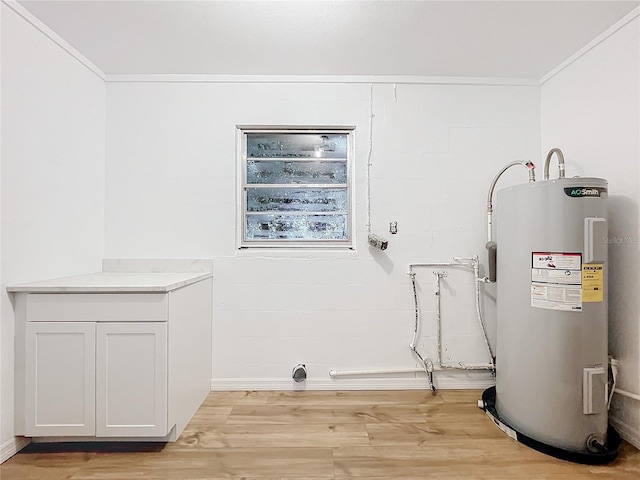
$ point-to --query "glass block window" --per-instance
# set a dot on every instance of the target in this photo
(295, 187)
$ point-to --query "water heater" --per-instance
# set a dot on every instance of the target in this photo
(551, 353)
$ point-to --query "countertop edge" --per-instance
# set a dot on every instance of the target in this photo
(27, 288)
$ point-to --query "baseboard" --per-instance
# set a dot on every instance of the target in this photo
(443, 380)
(12, 446)
(626, 431)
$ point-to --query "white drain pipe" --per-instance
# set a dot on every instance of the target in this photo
(624, 393)
(614, 389)
(345, 373)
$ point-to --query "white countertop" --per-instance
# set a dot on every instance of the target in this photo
(113, 282)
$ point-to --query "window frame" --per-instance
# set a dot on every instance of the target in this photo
(241, 201)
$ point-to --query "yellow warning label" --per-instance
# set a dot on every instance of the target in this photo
(593, 282)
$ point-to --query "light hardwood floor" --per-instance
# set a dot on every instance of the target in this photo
(385, 435)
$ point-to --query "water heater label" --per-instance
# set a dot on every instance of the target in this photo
(579, 192)
(556, 281)
(593, 282)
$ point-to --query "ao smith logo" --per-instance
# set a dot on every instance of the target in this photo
(578, 192)
(585, 192)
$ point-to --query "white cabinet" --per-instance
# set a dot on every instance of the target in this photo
(60, 380)
(131, 380)
(104, 379)
(112, 365)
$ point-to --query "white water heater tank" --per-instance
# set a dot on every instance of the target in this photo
(551, 372)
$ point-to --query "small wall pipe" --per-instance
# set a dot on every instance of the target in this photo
(461, 366)
(450, 264)
(383, 371)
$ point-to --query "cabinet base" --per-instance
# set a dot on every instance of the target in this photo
(170, 437)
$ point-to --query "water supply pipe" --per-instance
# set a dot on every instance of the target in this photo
(478, 280)
(491, 245)
(428, 365)
(560, 156)
(439, 276)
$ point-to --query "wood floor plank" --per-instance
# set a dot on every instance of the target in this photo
(363, 398)
(628, 462)
(44, 462)
(461, 396)
(452, 412)
(462, 457)
(212, 415)
(488, 473)
(237, 398)
(406, 435)
(258, 436)
(33, 472)
(176, 464)
(308, 414)
(320, 436)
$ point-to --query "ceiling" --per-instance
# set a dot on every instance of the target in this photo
(509, 39)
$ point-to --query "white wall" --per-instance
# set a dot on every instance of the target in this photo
(171, 192)
(591, 111)
(52, 198)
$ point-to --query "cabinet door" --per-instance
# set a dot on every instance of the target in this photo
(131, 380)
(60, 374)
